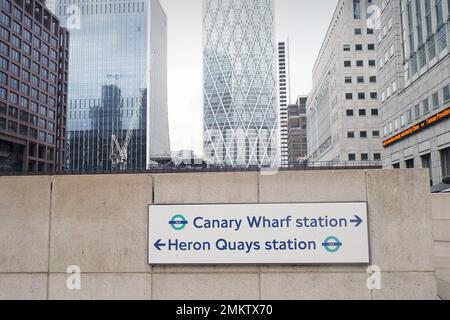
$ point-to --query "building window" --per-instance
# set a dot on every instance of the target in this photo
(374, 112)
(347, 64)
(346, 47)
(357, 10)
(446, 92)
(358, 31)
(369, 30)
(396, 165)
(373, 95)
(377, 156)
(350, 113)
(373, 79)
(435, 100)
(350, 134)
(360, 79)
(358, 47)
(372, 63)
(445, 163)
(359, 63)
(426, 164)
(375, 134)
(362, 112)
(364, 156)
(361, 96)
(363, 134)
(426, 107)
(409, 164)
(370, 47)
(352, 157)
(349, 96)
(417, 111)
(348, 79)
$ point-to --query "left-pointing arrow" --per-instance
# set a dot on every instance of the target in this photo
(158, 244)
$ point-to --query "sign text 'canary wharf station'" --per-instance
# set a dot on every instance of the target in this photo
(306, 233)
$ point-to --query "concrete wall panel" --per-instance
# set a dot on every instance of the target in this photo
(401, 232)
(406, 286)
(314, 286)
(207, 188)
(23, 286)
(24, 223)
(99, 223)
(116, 286)
(220, 286)
(313, 186)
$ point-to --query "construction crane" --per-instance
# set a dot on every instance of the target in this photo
(119, 154)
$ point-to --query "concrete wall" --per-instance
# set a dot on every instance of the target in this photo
(441, 230)
(99, 223)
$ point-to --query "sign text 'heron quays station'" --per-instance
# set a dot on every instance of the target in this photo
(307, 233)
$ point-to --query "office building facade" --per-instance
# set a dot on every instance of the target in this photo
(33, 88)
(117, 84)
(240, 84)
(297, 134)
(414, 78)
(283, 99)
(342, 109)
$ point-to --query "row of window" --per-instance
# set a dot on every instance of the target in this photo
(360, 79)
(416, 112)
(364, 157)
(425, 162)
(359, 63)
(361, 96)
(362, 112)
(32, 106)
(358, 47)
(28, 22)
(23, 130)
(363, 134)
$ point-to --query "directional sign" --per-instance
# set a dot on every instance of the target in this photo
(303, 233)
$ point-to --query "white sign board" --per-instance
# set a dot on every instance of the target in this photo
(306, 233)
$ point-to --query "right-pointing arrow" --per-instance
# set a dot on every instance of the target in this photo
(357, 221)
(158, 244)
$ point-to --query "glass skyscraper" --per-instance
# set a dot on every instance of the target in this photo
(240, 92)
(117, 82)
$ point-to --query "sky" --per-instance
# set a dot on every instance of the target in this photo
(303, 22)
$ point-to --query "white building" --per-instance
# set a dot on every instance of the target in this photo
(284, 99)
(342, 109)
(414, 76)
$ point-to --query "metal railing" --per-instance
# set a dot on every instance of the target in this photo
(186, 168)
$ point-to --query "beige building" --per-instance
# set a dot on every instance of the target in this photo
(342, 109)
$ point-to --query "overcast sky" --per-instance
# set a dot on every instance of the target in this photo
(304, 22)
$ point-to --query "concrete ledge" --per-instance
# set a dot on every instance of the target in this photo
(98, 286)
(406, 286)
(99, 223)
(441, 205)
(441, 230)
(23, 286)
(443, 289)
(206, 286)
(314, 286)
(400, 214)
(24, 224)
(313, 186)
(206, 188)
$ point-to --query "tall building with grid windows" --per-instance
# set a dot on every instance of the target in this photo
(342, 108)
(284, 95)
(414, 78)
(33, 88)
(240, 86)
(117, 83)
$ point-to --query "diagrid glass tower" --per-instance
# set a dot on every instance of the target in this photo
(117, 115)
(239, 75)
